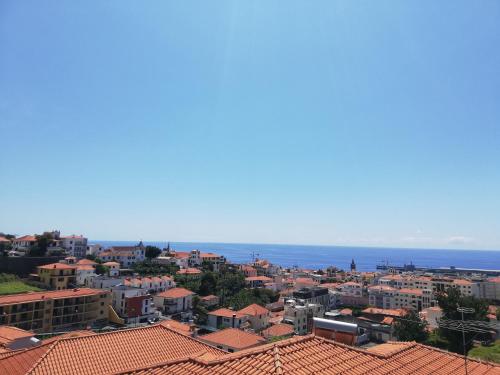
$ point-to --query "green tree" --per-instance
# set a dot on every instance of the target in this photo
(42, 243)
(449, 302)
(152, 252)
(101, 269)
(208, 283)
(411, 328)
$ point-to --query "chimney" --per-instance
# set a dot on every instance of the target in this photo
(234, 319)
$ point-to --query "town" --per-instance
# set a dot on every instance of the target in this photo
(125, 309)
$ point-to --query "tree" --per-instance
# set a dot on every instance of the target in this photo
(449, 302)
(152, 252)
(208, 283)
(411, 328)
(42, 243)
(101, 269)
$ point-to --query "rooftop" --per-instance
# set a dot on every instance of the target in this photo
(308, 355)
(106, 353)
(227, 313)
(57, 266)
(8, 334)
(277, 330)
(175, 293)
(234, 338)
(254, 310)
(39, 296)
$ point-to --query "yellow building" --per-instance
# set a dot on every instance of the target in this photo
(56, 310)
(57, 275)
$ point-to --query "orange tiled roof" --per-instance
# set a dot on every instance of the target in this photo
(462, 282)
(234, 338)
(80, 333)
(175, 293)
(209, 255)
(27, 238)
(20, 361)
(277, 330)
(106, 353)
(388, 312)
(226, 313)
(57, 266)
(8, 334)
(310, 355)
(189, 271)
(254, 310)
(39, 296)
(258, 278)
(85, 267)
(4, 239)
(183, 328)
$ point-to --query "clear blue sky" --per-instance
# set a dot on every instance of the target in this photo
(325, 122)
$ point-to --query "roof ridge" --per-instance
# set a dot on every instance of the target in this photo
(277, 361)
(39, 360)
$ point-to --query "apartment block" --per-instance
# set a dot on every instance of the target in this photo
(57, 310)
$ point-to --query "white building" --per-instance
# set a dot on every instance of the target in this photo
(134, 305)
(301, 316)
(74, 245)
(125, 255)
(175, 300)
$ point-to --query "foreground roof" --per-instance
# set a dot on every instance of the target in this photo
(8, 334)
(106, 353)
(315, 355)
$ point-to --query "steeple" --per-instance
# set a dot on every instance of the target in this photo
(353, 266)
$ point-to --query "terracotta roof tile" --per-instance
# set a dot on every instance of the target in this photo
(118, 351)
(254, 310)
(227, 313)
(8, 334)
(54, 294)
(175, 293)
(20, 361)
(278, 330)
(234, 338)
(57, 266)
(313, 355)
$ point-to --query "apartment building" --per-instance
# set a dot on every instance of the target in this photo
(300, 315)
(412, 298)
(125, 255)
(226, 318)
(258, 316)
(175, 300)
(133, 305)
(24, 243)
(58, 310)
(57, 275)
(382, 296)
(74, 245)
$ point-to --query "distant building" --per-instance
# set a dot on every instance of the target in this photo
(133, 305)
(353, 266)
(23, 244)
(258, 316)
(226, 318)
(175, 300)
(57, 275)
(125, 255)
(300, 315)
(74, 245)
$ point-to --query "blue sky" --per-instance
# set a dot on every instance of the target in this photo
(327, 122)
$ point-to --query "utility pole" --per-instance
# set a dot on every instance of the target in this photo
(464, 310)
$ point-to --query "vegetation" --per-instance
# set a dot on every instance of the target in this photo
(152, 252)
(246, 297)
(42, 243)
(411, 328)
(487, 353)
(10, 284)
(101, 269)
(449, 302)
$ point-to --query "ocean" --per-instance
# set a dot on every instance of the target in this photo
(315, 257)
